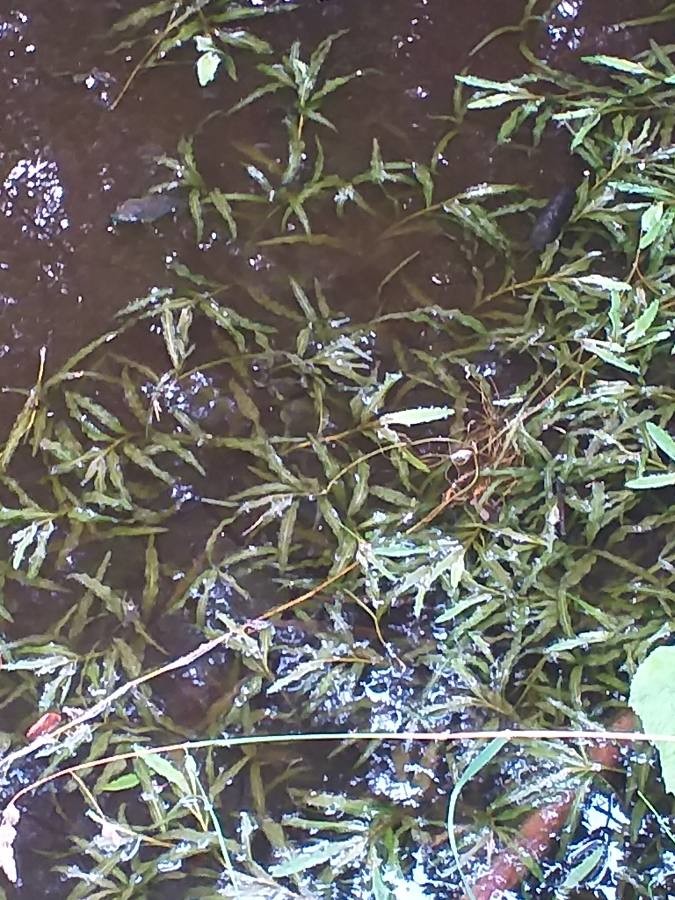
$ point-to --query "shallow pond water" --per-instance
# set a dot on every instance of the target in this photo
(68, 160)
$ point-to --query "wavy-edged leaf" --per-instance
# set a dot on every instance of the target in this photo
(143, 461)
(662, 439)
(647, 482)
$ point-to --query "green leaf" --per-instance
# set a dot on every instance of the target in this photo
(650, 224)
(244, 40)
(144, 462)
(475, 766)
(286, 534)
(423, 175)
(112, 600)
(652, 696)
(485, 84)
(123, 783)
(224, 208)
(332, 84)
(580, 872)
(361, 489)
(303, 301)
(140, 17)
(195, 204)
(255, 95)
(39, 553)
(645, 482)
(622, 65)
(151, 586)
(662, 439)
(318, 854)
(493, 100)
(643, 323)
(244, 403)
(421, 415)
(22, 540)
(20, 429)
(207, 66)
(79, 403)
(609, 356)
(605, 283)
(378, 172)
(162, 767)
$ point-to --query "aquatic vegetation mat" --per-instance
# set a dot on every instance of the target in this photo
(283, 521)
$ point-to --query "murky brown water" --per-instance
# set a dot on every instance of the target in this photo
(67, 160)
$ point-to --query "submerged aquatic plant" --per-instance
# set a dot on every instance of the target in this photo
(355, 526)
(214, 26)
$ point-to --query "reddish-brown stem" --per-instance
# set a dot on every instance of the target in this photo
(542, 827)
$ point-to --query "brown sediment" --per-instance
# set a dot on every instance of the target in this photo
(542, 827)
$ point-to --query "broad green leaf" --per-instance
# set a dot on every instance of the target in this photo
(652, 697)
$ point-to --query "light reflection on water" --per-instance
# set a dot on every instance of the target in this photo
(561, 29)
(33, 190)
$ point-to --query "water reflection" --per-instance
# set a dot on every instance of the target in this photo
(13, 26)
(34, 192)
(561, 29)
